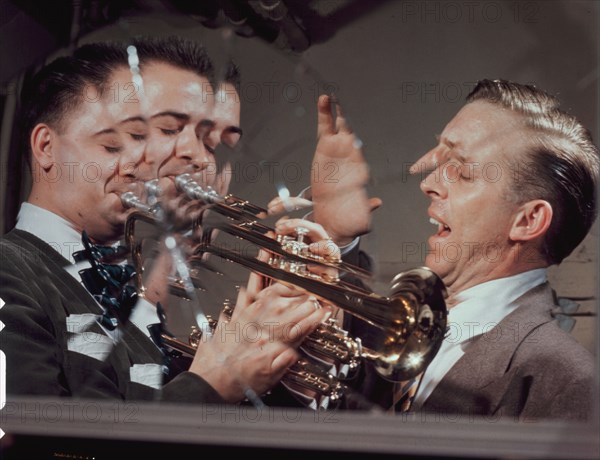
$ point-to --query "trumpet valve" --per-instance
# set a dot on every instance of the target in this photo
(291, 246)
(330, 342)
(194, 191)
(195, 337)
(305, 375)
(153, 190)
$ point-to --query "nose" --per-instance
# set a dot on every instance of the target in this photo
(433, 184)
(213, 139)
(130, 162)
(190, 147)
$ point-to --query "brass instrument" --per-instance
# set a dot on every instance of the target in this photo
(411, 320)
(307, 374)
(144, 213)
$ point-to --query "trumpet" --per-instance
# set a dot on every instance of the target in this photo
(308, 375)
(411, 319)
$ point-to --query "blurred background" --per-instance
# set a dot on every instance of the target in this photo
(401, 70)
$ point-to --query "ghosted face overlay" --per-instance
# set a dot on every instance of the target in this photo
(226, 118)
(179, 108)
(470, 192)
(225, 132)
(81, 171)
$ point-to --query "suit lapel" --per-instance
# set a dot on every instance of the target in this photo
(81, 302)
(488, 356)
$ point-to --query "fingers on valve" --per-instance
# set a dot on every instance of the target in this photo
(314, 231)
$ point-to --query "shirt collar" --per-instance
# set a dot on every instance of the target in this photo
(476, 314)
(50, 228)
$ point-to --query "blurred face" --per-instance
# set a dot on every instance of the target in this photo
(226, 118)
(96, 158)
(179, 109)
(225, 131)
(469, 187)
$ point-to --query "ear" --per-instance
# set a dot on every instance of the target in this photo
(531, 221)
(42, 142)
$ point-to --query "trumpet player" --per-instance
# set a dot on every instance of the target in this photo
(185, 132)
(496, 235)
(50, 314)
(507, 356)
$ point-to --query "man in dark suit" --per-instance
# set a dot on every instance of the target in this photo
(89, 144)
(512, 184)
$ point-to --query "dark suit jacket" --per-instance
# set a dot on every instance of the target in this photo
(524, 368)
(39, 296)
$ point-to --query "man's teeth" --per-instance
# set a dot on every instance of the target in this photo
(439, 224)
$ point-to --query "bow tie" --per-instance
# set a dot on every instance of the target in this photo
(107, 283)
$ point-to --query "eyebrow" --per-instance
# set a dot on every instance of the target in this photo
(133, 119)
(111, 130)
(171, 113)
(105, 131)
(453, 148)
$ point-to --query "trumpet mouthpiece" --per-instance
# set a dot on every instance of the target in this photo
(130, 200)
(152, 187)
(182, 180)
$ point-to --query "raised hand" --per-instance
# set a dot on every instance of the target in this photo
(339, 178)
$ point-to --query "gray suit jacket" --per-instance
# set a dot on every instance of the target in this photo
(524, 368)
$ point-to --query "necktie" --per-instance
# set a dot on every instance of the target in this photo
(404, 394)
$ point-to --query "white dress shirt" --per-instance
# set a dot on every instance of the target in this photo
(479, 310)
(65, 239)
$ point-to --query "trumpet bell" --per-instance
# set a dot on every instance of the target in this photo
(417, 328)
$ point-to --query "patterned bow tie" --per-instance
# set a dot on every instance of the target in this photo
(107, 283)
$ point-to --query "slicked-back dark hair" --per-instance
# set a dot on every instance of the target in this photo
(60, 87)
(179, 52)
(232, 75)
(560, 164)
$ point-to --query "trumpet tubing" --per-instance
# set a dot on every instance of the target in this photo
(411, 320)
(305, 374)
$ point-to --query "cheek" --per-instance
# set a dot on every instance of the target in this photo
(484, 227)
(158, 150)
